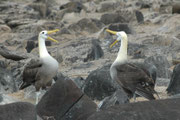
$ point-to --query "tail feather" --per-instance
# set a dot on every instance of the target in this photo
(144, 93)
(24, 85)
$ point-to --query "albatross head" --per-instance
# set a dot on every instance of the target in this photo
(45, 35)
(121, 36)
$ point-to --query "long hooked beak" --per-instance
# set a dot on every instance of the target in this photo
(50, 32)
(113, 43)
(112, 32)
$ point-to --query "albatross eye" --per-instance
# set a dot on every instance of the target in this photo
(42, 32)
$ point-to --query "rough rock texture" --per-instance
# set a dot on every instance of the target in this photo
(88, 25)
(73, 7)
(18, 111)
(99, 84)
(139, 16)
(153, 110)
(6, 99)
(62, 101)
(174, 85)
(11, 54)
(81, 110)
(152, 27)
(112, 18)
(96, 51)
(162, 65)
(7, 82)
(119, 97)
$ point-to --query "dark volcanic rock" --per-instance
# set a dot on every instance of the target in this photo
(7, 82)
(96, 51)
(121, 27)
(73, 7)
(108, 6)
(162, 65)
(63, 98)
(139, 16)
(88, 25)
(11, 54)
(79, 82)
(81, 110)
(99, 84)
(109, 18)
(136, 50)
(41, 7)
(176, 7)
(151, 110)
(174, 85)
(30, 46)
(119, 97)
(18, 111)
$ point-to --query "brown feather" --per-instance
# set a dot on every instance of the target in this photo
(132, 79)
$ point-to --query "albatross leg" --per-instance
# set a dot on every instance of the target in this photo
(134, 97)
(37, 96)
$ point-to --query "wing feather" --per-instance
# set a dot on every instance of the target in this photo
(30, 72)
(135, 79)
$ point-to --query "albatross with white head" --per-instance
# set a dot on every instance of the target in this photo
(41, 71)
(133, 79)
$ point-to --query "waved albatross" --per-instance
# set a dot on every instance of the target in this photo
(132, 78)
(41, 71)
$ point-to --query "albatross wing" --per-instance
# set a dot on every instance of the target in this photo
(134, 79)
(30, 72)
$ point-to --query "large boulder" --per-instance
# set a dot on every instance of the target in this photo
(95, 52)
(81, 110)
(109, 18)
(7, 81)
(174, 85)
(63, 100)
(161, 64)
(73, 7)
(18, 111)
(120, 16)
(119, 97)
(13, 55)
(150, 110)
(99, 84)
(108, 6)
(86, 24)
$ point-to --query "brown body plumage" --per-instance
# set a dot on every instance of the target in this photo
(132, 78)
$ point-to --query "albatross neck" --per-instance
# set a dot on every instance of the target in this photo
(42, 48)
(122, 54)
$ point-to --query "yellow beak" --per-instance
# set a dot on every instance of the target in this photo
(110, 31)
(50, 32)
(113, 43)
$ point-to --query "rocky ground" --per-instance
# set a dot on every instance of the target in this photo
(83, 51)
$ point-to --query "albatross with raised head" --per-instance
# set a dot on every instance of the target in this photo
(132, 78)
(41, 71)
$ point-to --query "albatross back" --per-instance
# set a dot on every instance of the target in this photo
(133, 80)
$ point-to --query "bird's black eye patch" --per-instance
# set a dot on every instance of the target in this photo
(42, 32)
